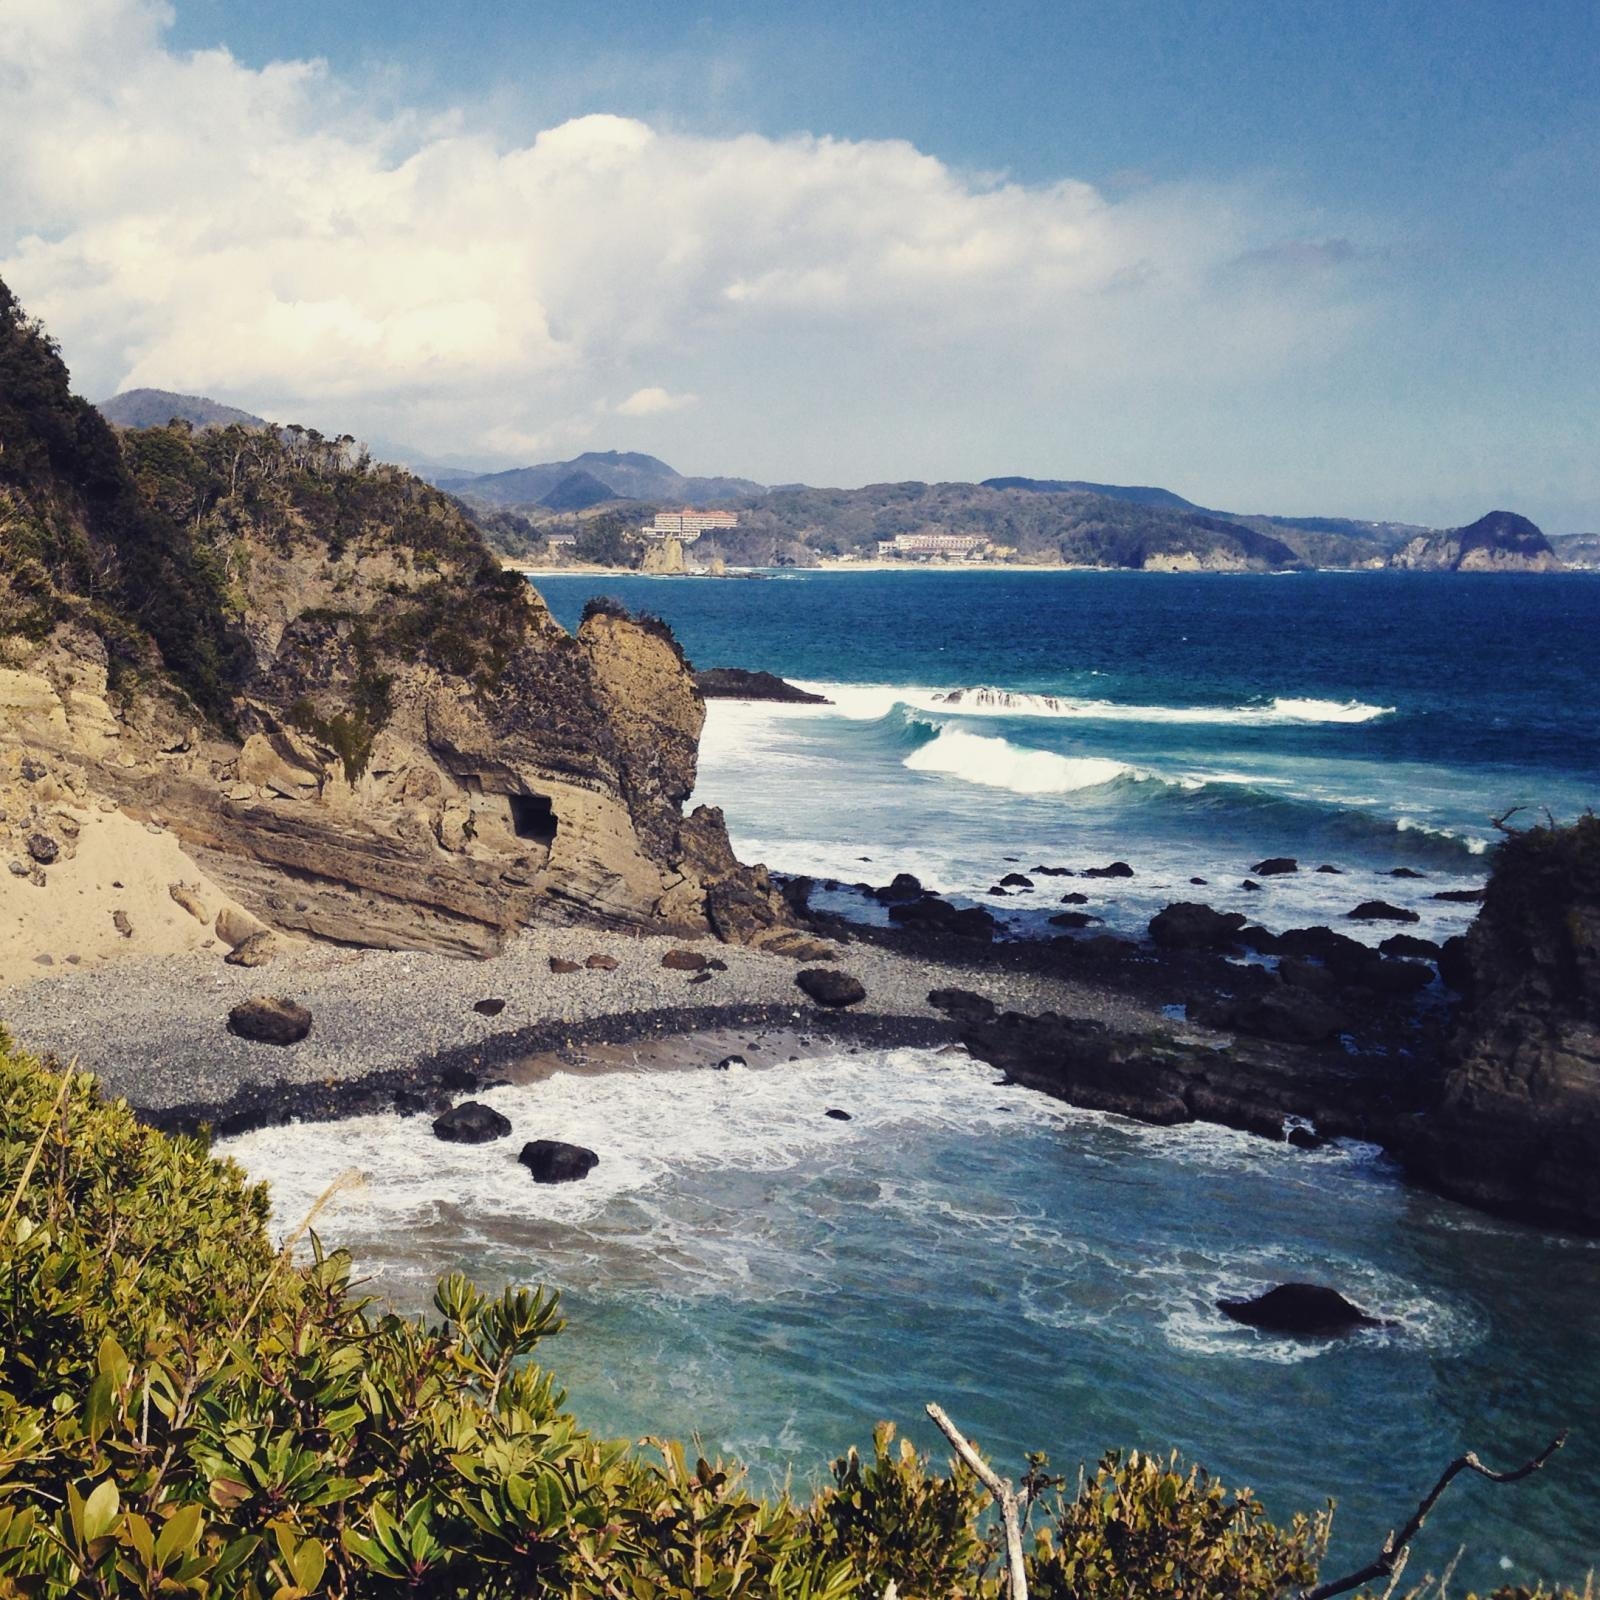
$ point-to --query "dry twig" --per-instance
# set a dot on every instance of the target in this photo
(1004, 1496)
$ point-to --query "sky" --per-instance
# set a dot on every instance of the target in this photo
(1334, 258)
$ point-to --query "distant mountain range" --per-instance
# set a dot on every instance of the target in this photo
(619, 474)
(1068, 520)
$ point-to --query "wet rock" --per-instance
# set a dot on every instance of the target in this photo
(471, 1122)
(1408, 944)
(1199, 883)
(1307, 1310)
(43, 848)
(683, 961)
(739, 683)
(1016, 880)
(553, 1161)
(409, 1102)
(994, 888)
(1074, 919)
(1254, 937)
(561, 965)
(1186, 925)
(838, 1115)
(1054, 872)
(259, 950)
(1117, 869)
(1381, 911)
(1459, 897)
(1074, 898)
(1250, 886)
(489, 1008)
(1337, 872)
(600, 962)
(933, 915)
(727, 1063)
(1406, 872)
(270, 1019)
(962, 1005)
(1455, 965)
(900, 890)
(1303, 1137)
(830, 987)
(1284, 1014)
(1275, 866)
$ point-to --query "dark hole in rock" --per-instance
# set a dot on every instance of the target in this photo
(533, 817)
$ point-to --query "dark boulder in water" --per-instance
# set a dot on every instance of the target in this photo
(1406, 872)
(830, 987)
(1337, 872)
(1307, 1310)
(1186, 925)
(1054, 872)
(933, 915)
(902, 889)
(1251, 886)
(1460, 897)
(838, 1115)
(1074, 898)
(471, 1122)
(553, 1161)
(1074, 919)
(1275, 866)
(1117, 869)
(1017, 880)
(1408, 944)
(1381, 911)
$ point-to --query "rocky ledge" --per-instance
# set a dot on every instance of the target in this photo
(736, 683)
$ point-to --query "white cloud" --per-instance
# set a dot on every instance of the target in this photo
(654, 402)
(187, 222)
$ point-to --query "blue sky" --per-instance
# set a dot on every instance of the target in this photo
(1392, 213)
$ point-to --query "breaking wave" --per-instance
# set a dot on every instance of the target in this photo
(999, 764)
(864, 702)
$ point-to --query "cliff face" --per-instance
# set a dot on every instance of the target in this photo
(318, 678)
(1499, 542)
(1518, 1126)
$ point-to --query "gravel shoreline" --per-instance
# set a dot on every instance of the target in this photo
(153, 1029)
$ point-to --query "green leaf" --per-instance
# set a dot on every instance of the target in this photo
(100, 1511)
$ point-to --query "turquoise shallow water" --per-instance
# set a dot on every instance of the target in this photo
(742, 1266)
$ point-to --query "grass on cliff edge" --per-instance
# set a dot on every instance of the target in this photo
(185, 1412)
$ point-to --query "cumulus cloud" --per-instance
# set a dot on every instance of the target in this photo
(187, 222)
(653, 402)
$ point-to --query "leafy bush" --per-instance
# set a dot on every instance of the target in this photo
(185, 1412)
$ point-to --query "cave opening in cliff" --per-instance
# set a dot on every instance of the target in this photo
(533, 817)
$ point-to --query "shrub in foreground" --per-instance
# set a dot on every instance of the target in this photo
(185, 1412)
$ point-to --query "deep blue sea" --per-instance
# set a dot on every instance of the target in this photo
(742, 1267)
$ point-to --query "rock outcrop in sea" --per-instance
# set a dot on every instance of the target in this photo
(310, 670)
(1517, 1127)
(1502, 541)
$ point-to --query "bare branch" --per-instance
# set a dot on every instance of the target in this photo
(1499, 823)
(1393, 1554)
(1004, 1495)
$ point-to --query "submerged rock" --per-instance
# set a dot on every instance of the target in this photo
(270, 1019)
(471, 1122)
(553, 1161)
(1309, 1310)
(838, 1115)
(1381, 911)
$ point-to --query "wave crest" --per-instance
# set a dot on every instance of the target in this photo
(999, 764)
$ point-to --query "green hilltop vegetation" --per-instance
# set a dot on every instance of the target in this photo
(186, 1412)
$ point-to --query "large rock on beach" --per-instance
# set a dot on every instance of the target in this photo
(830, 987)
(1186, 925)
(962, 1005)
(554, 1161)
(270, 1019)
(1305, 1310)
(471, 1122)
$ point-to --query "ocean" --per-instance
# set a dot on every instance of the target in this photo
(743, 1268)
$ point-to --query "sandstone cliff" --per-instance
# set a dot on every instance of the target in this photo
(1518, 1125)
(310, 670)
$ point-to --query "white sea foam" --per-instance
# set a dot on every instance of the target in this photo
(862, 702)
(999, 764)
(1475, 843)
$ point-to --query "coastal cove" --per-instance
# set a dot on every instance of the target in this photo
(777, 1280)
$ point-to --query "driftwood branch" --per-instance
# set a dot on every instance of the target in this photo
(1004, 1496)
(1392, 1556)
